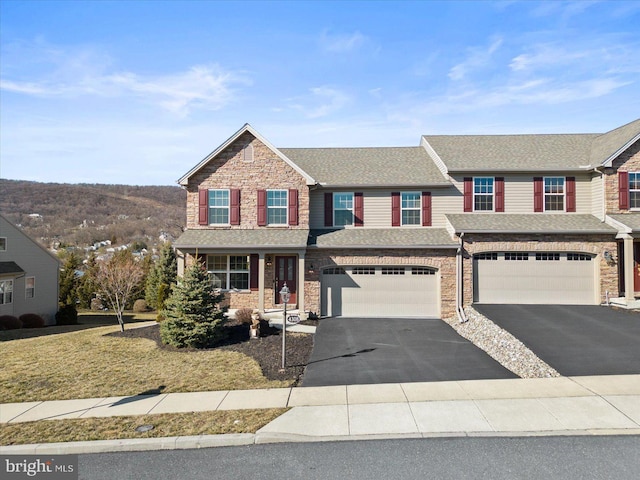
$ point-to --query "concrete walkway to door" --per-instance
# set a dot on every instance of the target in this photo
(356, 351)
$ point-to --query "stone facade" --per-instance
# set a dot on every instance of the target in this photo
(629, 161)
(593, 244)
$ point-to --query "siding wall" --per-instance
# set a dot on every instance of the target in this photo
(597, 195)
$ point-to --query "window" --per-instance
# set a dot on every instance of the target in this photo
(393, 271)
(277, 207)
(483, 194)
(229, 272)
(422, 271)
(342, 209)
(554, 194)
(547, 256)
(30, 287)
(3, 244)
(363, 271)
(487, 256)
(634, 189)
(334, 271)
(580, 257)
(6, 292)
(516, 256)
(411, 208)
(219, 207)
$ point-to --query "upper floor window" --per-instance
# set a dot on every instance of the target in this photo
(277, 207)
(634, 189)
(411, 208)
(483, 194)
(229, 272)
(30, 287)
(219, 207)
(342, 209)
(3, 244)
(6, 292)
(554, 194)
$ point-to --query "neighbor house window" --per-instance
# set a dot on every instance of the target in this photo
(30, 287)
(219, 207)
(634, 189)
(6, 292)
(3, 244)
(411, 208)
(342, 209)
(554, 194)
(483, 194)
(277, 207)
(229, 272)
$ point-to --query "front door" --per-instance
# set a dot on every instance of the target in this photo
(286, 273)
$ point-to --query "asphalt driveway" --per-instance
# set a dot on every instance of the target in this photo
(349, 351)
(574, 339)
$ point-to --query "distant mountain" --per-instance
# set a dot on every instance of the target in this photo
(82, 214)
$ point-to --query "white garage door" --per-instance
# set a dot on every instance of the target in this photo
(380, 292)
(538, 277)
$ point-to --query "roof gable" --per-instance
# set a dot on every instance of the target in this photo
(608, 146)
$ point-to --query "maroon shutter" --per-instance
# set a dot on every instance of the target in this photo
(253, 271)
(262, 208)
(395, 209)
(468, 194)
(293, 206)
(499, 189)
(203, 207)
(571, 193)
(328, 209)
(538, 195)
(426, 209)
(623, 190)
(358, 209)
(235, 207)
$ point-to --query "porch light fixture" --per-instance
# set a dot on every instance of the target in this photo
(311, 268)
(608, 258)
(285, 296)
(269, 260)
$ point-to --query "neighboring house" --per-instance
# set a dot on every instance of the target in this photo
(28, 275)
(419, 231)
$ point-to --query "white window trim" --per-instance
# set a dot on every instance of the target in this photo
(228, 272)
(228, 207)
(286, 207)
(635, 209)
(545, 194)
(352, 209)
(6, 291)
(26, 288)
(493, 193)
(402, 209)
(3, 248)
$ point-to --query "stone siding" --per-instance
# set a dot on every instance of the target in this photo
(629, 161)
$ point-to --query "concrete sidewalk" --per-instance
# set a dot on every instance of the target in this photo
(563, 405)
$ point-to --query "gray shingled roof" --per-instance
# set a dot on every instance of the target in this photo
(528, 223)
(235, 238)
(10, 267)
(512, 152)
(609, 143)
(382, 237)
(631, 220)
(383, 166)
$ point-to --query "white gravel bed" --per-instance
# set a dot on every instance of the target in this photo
(503, 347)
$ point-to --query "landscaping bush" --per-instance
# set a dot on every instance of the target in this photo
(9, 322)
(31, 320)
(67, 315)
(96, 304)
(243, 315)
(140, 306)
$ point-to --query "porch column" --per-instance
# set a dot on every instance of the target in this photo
(301, 272)
(261, 281)
(629, 288)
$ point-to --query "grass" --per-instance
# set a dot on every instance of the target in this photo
(112, 428)
(84, 363)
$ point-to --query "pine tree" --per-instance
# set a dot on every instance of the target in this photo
(161, 277)
(193, 315)
(69, 281)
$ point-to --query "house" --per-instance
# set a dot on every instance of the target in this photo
(28, 275)
(419, 231)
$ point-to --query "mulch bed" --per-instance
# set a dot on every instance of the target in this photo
(266, 350)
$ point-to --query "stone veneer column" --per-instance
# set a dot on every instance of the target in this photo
(629, 289)
(261, 282)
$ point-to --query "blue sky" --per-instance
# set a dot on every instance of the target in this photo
(139, 92)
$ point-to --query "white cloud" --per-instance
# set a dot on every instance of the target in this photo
(323, 101)
(342, 43)
(476, 59)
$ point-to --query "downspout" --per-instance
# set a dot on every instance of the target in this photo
(459, 285)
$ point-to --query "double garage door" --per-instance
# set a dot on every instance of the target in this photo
(375, 291)
(535, 278)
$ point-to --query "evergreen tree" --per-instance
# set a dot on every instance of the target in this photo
(161, 277)
(193, 315)
(86, 286)
(69, 281)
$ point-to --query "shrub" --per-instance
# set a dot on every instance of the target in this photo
(140, 305)
(9, 322)
(96, 304)
(243, 315)
(31, 320)
(67, 315)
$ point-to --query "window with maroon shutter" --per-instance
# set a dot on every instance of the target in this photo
(571, 193)
(203, 207)
(235, 207)
(328, 209)
(426, 209)
(293, 206)
(623, 190)
(538, 196)
(262, 208)
(395, 209)
(468, 194)
(253, 271)
(499, 194)
(358, 209)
